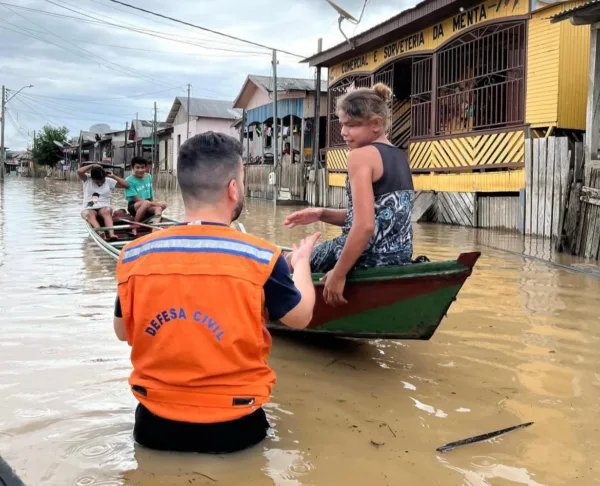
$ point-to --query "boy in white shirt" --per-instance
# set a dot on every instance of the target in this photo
(97, 187)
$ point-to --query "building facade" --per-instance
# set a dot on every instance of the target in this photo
(471, 81)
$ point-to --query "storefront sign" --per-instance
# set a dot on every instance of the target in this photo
(430, 38)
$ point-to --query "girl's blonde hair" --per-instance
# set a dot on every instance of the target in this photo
(366, 103)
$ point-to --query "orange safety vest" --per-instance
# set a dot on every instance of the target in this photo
(194, 311)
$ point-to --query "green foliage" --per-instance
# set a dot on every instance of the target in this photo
(46, 152)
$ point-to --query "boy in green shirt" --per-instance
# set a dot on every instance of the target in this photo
(140, 194)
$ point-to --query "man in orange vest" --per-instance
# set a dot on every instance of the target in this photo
(192, 303)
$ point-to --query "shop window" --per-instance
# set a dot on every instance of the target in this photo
(480, 80)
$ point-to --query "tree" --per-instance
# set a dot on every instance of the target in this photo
(46, 152)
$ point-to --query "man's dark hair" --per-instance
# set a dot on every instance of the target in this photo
(97, 173)
(139, 161)
(206, 164)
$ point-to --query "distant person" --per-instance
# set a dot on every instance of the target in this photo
(192, 303)
(376, 227)
(140, 194)
(97, 188)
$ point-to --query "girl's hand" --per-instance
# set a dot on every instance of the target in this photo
(334, 289)
(305, 216)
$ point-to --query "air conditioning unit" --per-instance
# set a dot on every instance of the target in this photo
(272, 178)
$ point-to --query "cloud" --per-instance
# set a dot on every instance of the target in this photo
(95, 61)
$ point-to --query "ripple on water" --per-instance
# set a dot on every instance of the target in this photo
(30, 413)
(94, 481)
(97, 444)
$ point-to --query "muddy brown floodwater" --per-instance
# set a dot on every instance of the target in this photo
(520, 344)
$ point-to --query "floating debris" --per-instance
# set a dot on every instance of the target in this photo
(480, 438)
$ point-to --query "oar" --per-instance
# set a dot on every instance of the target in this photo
(133, 223)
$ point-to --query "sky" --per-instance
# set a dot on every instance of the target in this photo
(95, 61)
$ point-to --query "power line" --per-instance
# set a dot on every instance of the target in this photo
(151, 32)
(121, 69)
(154, 20)
(205, 29)
(100, 100)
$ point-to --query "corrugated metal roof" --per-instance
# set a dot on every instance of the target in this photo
(285, 108)
(592, 5)
(287, 84)
(144, 128)
(421, 15)
(205, 108)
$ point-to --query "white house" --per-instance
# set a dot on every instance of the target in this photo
(204, 115)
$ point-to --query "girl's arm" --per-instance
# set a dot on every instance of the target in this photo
(361, 164)
(335, 217)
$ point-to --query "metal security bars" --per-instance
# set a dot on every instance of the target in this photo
(421, 98)
(480, 80)
(335, 92)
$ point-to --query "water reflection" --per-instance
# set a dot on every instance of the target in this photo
(519, 344)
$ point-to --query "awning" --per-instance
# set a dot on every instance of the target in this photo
(285, 108)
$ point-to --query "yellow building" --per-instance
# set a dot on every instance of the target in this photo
(471, 82)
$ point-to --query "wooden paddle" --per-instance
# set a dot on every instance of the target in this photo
(133, 223)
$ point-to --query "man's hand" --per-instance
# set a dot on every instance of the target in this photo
(301, 254)
(305, 216)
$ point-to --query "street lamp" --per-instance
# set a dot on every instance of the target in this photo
(3, 102)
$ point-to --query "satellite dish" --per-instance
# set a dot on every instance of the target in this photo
(342, 12)
(58, 143)
(346, 16)
(100, 128)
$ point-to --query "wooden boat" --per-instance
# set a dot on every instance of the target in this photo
(122, 227)
(404, 302)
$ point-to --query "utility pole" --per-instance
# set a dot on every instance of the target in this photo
(154, 157)
(188, 113)
(125, 146)
(80, 145)
(316, 124)
(275, 129)
(136, 151)
(2, 133)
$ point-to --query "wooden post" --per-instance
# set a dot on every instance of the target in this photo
(276, 164)
(528, 194)
(291, 137)
(535, 186)
(593, 114)
(80, 145)
(317, 119)
(3, 113)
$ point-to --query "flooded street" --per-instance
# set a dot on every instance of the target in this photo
(520, 344)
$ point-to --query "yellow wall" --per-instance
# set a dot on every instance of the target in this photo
(573, 75)
(500, 181)
(472, 150)
(556, 70)
(542, 70)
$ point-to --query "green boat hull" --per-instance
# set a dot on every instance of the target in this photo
(406, 302)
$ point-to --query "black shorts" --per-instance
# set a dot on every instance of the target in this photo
(131, 208)
(162, 434)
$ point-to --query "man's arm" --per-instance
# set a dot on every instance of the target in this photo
(121, 183)
(118, 322)
(81, 172)
(288, 299)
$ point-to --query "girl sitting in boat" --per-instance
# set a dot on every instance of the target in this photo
(376, 227)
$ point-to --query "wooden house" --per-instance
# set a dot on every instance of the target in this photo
(471, 81)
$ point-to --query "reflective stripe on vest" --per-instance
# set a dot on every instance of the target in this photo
(193, 304)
